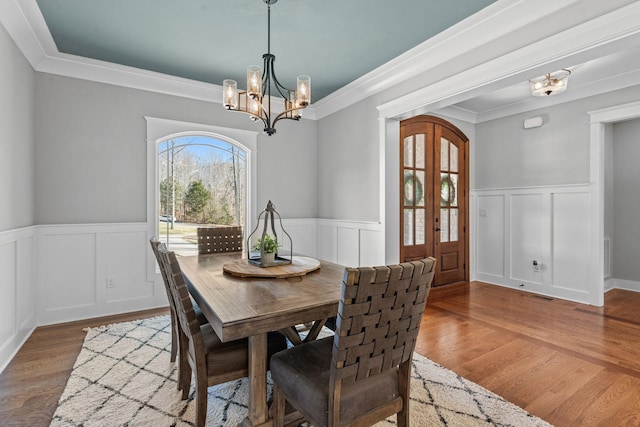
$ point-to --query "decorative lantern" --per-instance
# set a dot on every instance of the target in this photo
(269, 248)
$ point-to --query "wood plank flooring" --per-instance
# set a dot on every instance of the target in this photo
(32, 383)
(568, 363)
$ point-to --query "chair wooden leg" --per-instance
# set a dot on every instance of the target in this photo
(279, 407)
(201, 400)
(404, 386)
(174, 336)
(184, 368)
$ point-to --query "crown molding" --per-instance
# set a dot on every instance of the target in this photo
(497, 20)
(574, 45)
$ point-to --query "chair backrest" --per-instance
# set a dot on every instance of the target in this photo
(184, 308)
(219, 239)
(155, 244)
(379, 318)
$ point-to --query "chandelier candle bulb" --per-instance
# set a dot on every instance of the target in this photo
(230, 94)
(254, 80)
(303, 90)
(254, 108)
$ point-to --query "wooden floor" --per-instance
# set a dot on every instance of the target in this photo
(568, 363)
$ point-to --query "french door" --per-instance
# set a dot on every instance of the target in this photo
(433, 196)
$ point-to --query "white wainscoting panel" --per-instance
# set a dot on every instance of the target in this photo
(18, 301)
(527, 230)
(490, 239)
(26, 288)
(303, 234)
(92, 270)
(570, 242)
(9, 291)
(515, 226)
(61, 273)
(327, 246)
(350, 243)
(68, 267)
(371, 248)
(124, 253)
(348, 247)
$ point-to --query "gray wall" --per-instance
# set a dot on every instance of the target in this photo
(508, 156)
(625, 241)
(349, 176)
(17, 137)
(608, 182)
(91, 152)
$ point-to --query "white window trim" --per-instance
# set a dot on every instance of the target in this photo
(159, 130)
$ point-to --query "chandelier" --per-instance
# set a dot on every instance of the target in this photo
(550, 84)
(256, 100)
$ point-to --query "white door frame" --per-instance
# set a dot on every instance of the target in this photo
(598, 120)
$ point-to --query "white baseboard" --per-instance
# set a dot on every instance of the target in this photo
(627, 285)
(11, 347)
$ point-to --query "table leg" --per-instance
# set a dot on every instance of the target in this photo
(258, 410)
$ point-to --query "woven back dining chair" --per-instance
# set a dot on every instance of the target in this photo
(211, 360)
(361, 375)
(213, 240)
(174, 331)
(184, 377)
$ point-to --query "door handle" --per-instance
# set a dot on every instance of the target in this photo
(437, 229)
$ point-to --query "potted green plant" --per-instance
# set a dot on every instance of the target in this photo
(269, 246)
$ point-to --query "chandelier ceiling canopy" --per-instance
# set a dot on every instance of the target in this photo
(256, 100)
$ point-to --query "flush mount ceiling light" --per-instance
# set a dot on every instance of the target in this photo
(550, 84)
(256, 100)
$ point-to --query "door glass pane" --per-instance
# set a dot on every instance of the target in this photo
(409, 188)
(444, 154)
(444, 225)
(408, 151)
(454, 189)
(419, 187)
(408, 227)
(453, 234)
(420, 227)
(420, 150)
(446, 190)
(454, 158)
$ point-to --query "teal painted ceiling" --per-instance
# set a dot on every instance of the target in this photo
(333, 41)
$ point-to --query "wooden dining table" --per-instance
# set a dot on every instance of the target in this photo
(250, 307)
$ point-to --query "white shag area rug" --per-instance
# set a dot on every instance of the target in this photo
(123, 377)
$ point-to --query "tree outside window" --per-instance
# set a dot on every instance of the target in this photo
(202, 182)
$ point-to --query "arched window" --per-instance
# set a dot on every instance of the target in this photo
(202, 144)
(202, 181)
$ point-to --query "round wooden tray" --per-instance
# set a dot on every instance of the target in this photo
(299, 267)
